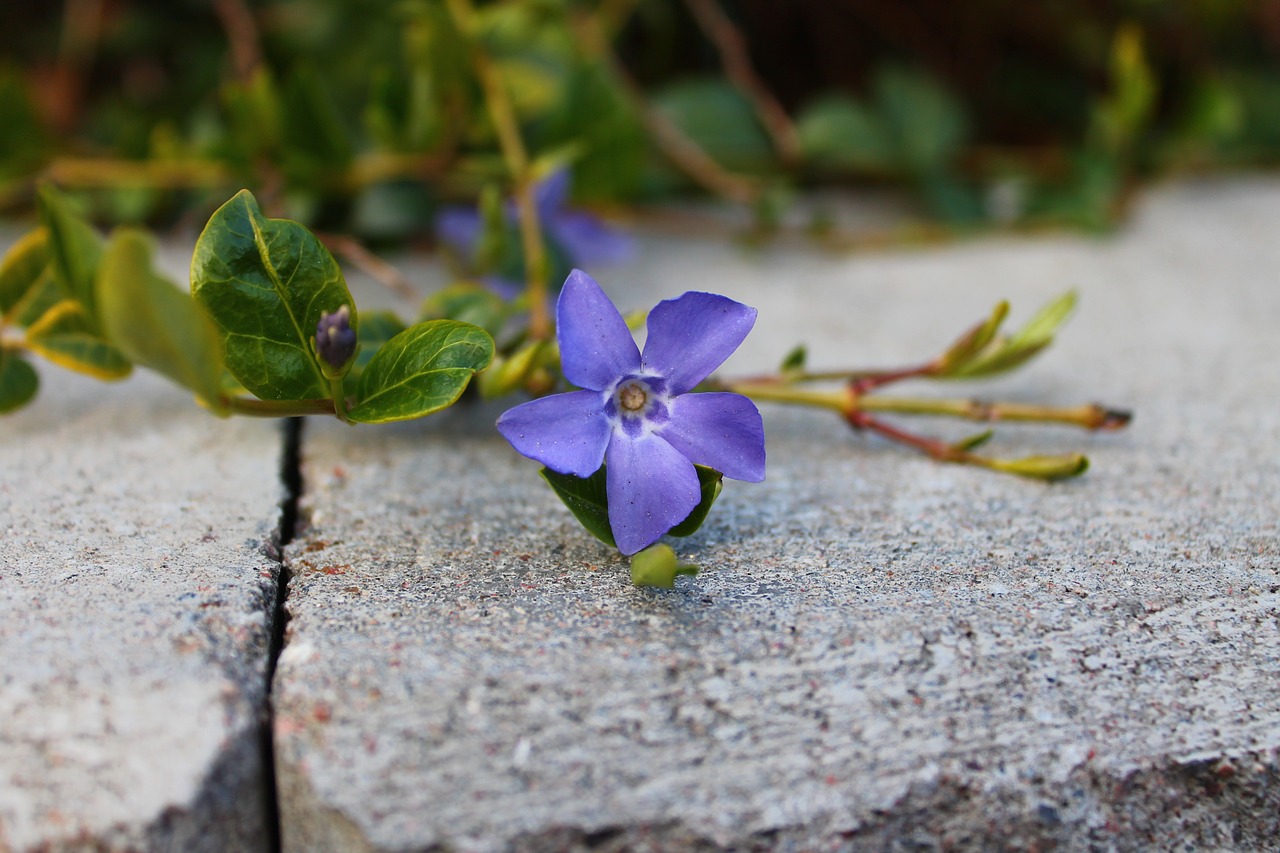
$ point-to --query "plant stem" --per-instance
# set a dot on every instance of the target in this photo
(841, 401)
(503, 116)
(734, 56)
(1090, 416)
(339, 399)
(683, 152)
(278, 408)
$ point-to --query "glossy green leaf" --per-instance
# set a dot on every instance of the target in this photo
(588, 500)
(22, 266)
(65, 337)
(18, 381)
(154, 323)
(266, 283)
(74, 248)
(421, 370)
(657, 566)
(710, 482)
(839, 133)
(376, 328)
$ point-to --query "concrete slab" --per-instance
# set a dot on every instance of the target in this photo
(135, 600)
(883, 653)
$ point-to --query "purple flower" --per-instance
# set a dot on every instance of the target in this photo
(585, 238)
(635, 414)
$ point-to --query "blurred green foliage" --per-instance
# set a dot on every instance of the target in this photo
(367, 115)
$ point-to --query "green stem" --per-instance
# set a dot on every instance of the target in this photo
(841, 401)
(339, 398)
(1090, 416)
(503, 116)
(278, 408)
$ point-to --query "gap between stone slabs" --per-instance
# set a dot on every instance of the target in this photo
(883, 648)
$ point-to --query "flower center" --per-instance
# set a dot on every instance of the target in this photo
(632, 397)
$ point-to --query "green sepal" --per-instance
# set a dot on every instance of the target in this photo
(266, 283)
(422, 370)
(22, 267)
(710, 483)
(18, 381)
(74, 248)
(65, 337)
(588, 499)
(154, 323)
(376, 328)
(657, 566)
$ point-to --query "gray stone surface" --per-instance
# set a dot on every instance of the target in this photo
(883, 652)
(135, 599)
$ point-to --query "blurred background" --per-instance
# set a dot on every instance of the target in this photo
(369, 117)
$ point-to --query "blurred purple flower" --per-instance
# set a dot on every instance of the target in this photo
(585, 238)
(635, 414)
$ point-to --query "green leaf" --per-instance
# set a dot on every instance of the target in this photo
(657, 566)
(65, 337)
(1003, 354)
(421, 370)
(1047, 468)
(974, 341)
(467, 303)
(74, 247)
(710, 482)
(717, 117)
(266, 282)
(588, 500)
(376, 328)
(927, 122)
(974, 441)
(154, 323)
(506, 374)
(795, 361)
(25, 262)
(18, 381)
(839, 133)
(42, 296)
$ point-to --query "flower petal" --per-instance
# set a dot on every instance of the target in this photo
(587, 239)
(721, 431)
(651, 489)
(566, 432)
(692, 335)
(596, 347)
(551, 193)
(459, 227)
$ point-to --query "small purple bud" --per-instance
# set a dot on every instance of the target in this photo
(335, 339)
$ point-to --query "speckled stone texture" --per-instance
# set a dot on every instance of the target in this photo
(135, 600)
(882, 652)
